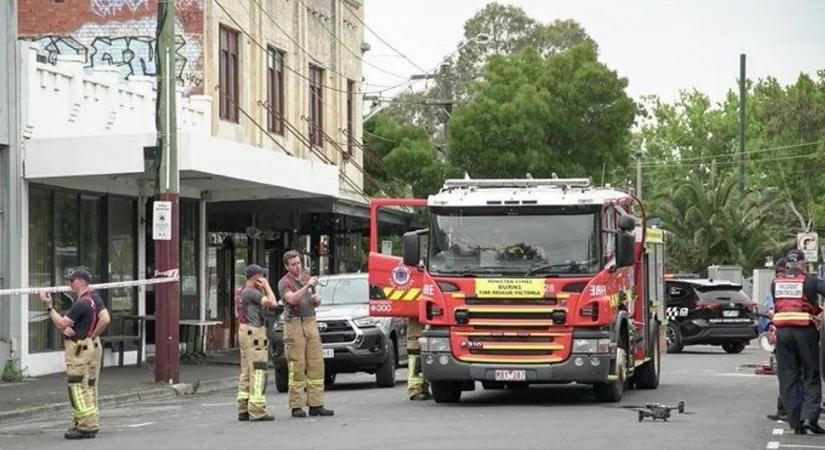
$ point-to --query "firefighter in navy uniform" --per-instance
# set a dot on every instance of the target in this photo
(796, 316)
(77, 326)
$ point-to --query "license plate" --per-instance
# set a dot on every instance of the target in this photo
(511, 375)
(730, 313)
(329, 353)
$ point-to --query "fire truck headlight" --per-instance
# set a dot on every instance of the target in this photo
(591, 345)
(435, 344)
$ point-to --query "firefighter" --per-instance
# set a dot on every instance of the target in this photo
(780, 269)
(255, 295)
(796, 317)
(78, 325)
(302, 342)
(417, 386)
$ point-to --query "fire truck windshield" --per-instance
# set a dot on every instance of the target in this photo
(491, 243)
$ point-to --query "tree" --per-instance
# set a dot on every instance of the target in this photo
(568, 114)
(399, 160)
(510, 30)
(711, 222)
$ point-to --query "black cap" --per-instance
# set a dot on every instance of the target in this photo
(795, 256)
(254, 269)
(781, 265)
(81, 272)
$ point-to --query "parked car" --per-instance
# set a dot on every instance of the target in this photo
(353, 341)
(709, 312)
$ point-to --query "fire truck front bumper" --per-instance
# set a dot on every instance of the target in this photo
(577, 368)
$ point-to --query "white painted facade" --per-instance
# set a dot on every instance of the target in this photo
(86, 130)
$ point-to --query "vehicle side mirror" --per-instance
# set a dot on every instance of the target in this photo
(625, 249)
(412, 249)
(627, 223)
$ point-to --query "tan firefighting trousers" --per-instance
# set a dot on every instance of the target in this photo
(416, 384)
(94, 370)
(253, 380)
(78, 355)
(305, 358)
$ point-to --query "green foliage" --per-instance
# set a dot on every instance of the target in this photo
(402, 161)
(11, 374)
(568, 114)
(713, 223)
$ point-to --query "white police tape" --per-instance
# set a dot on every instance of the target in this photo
(167, 276)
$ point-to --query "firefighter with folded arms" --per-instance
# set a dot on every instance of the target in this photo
(255, 295)
(302, 342)
(78, 325)
(796, 317)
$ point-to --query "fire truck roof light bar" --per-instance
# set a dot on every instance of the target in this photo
(518, 183)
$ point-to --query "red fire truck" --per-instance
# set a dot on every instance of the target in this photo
(527, 281)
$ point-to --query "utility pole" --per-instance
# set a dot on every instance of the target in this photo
(166, 233)
(742, 95)
(639, 176)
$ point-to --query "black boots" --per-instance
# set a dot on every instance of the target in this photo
(298, 412)
(80, 434)
(813, 427)
(320, 411)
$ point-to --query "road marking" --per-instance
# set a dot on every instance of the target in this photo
(778, 431)
(219, 404)
(799, 446)
(772, 445)
(139, 425)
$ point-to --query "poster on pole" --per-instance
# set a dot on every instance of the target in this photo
(809, 244)
(386, 247)
(162, 221)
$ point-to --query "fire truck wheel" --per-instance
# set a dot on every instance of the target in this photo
(612, 392)
(674, 338)
(647, 376)
(734, 347)
(446, 391)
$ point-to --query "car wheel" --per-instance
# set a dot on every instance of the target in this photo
(329, 379)
(446, 391)
(674, 338)
(385, 375)
(734, 347)
(281, 380)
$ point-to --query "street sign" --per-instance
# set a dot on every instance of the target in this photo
(809, 244)
(162, 221)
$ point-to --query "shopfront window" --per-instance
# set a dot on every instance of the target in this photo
(68, 228)
(190, 303)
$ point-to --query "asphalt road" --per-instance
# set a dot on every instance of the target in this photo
(726, 402)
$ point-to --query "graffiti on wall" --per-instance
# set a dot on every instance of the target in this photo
(129, 46)
(105, 8)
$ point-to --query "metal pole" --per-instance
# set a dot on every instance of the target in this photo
(639, 176)
(742, 96)
(167, 252)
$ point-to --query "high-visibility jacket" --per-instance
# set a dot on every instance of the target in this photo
(792, 308)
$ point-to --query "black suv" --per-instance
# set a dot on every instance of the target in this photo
(353, 341)
(709, 312)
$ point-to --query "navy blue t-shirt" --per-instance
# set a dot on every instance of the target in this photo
(82, 313)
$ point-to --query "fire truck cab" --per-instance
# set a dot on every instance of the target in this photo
(529, 281)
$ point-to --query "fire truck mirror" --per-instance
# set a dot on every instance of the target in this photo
(412, 249)
(625, 250)
(627, 223)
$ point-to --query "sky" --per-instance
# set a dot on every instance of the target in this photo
(660, 46)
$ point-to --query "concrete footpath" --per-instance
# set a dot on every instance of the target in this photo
(47, 395)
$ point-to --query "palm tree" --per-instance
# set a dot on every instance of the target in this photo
(711, 222)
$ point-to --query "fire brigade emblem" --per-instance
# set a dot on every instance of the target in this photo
(401, 277)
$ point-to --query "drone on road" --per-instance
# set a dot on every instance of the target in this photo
(660, 411)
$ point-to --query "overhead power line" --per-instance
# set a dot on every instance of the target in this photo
(729, 155)
(358, 56)
(390, 46)
(729, 163)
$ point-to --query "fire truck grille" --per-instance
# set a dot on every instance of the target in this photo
(539, 347)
